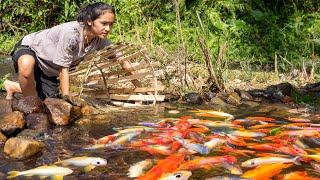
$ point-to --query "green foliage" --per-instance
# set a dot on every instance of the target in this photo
(254, 31)
(5, 77)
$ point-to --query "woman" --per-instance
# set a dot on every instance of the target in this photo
(41, 57)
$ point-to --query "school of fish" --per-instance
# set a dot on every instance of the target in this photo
(254, 147)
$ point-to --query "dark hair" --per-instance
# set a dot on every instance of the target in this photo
(91, 12)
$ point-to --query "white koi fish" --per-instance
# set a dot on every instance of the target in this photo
(178, 175)
(88, 163)
(55, 172)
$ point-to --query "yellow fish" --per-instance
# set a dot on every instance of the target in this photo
(55, 172)
(88, 163)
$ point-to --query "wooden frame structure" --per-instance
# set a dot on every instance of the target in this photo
(101, 74)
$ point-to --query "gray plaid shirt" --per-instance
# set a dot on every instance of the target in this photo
(61, 46)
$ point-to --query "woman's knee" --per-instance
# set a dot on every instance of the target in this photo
(26, 65)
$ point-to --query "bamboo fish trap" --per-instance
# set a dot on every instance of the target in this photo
(102, 76)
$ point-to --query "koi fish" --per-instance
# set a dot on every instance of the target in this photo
(258, 118)
(139, 168)
(55, 172)
(214, 142)
(157, 149)
(268, 160)
(211, 124)
(315, 157)
(266, 171)
(203, 162)
(88, 163)
(232, 168)
(301, 133)
(167, 165)
(209, 113)
(249, 134)
(178, 175)
(298, 120)
(193, 146)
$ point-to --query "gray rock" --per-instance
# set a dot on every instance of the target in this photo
(59, 111)
(29, 104)
(192, 98)
(5, 106)
(37, 121)
(245, 95)
(22, 148)
(218, 101)
(234, 99)
(12, 122)
(32, 134)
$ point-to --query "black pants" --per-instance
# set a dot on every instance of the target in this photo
(45, 86)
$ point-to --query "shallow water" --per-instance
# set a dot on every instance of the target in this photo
(67, 142)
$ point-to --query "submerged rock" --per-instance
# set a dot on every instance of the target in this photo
(192, 98)
(37, 121)
(29, 104)
(31, 134)
(12, 122)
(21, 148)
(59, 111)
(3, 138)
(5, 106)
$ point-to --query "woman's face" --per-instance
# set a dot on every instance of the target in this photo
(103, 25)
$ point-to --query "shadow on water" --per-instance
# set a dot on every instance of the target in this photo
(67, 142)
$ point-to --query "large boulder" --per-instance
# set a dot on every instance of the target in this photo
(29, 104)
(5, 106)
(38, 121)
(59, 111)
(22, 148)
(12, 122)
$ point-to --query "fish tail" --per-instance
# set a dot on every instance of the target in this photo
(13, 174)
(296, 160)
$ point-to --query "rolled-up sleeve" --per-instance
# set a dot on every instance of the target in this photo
(67, 44)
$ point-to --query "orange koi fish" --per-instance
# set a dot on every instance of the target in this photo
(210, 113)
(203, 162)
(258, 118)
(265, 172)
(297, 120)
(167, 165)
(157, 149)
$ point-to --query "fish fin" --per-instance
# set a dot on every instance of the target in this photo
(43, 177)
(88, 168)
(13, 174)
(57, 177)
(296, 160)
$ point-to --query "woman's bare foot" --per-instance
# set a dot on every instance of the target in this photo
(11, 88)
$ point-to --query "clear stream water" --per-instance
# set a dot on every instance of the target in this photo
(67, 142)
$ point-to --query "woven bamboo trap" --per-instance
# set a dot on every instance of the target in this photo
(101, 74)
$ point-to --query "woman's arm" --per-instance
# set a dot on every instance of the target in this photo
(64, 81)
